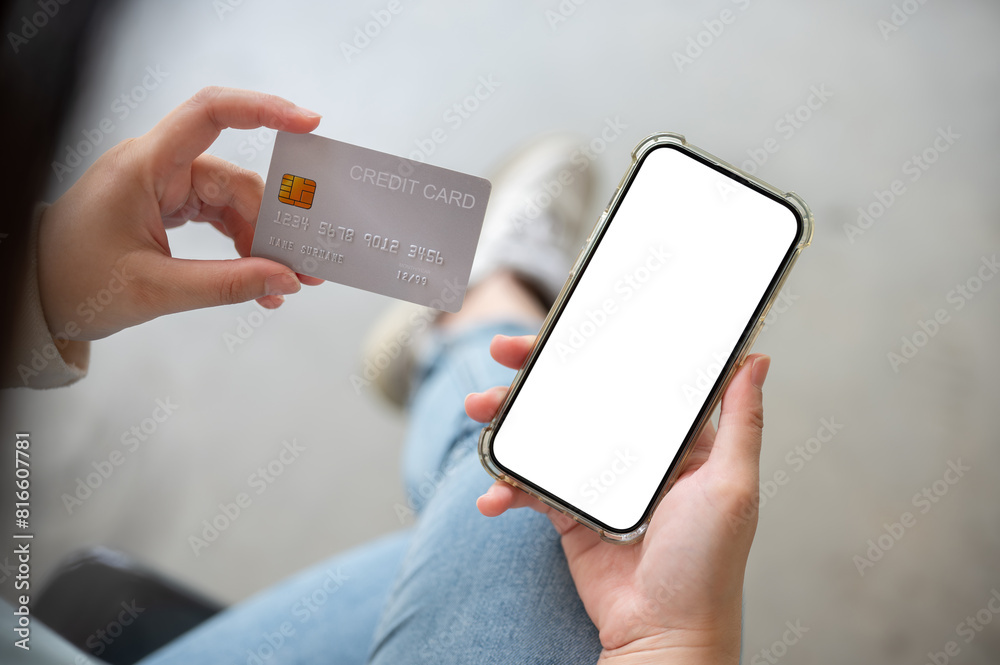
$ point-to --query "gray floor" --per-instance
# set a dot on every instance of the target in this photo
(854, 296)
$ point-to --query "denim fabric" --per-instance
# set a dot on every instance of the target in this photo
(456, 587)
(472, 589)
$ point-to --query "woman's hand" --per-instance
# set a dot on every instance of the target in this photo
(104, 262)
(676, 596)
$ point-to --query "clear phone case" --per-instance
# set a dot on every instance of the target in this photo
(804, 239)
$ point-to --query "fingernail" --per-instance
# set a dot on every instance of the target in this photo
(307, 113)
(272, 304)
(759, 370)
(281, 284)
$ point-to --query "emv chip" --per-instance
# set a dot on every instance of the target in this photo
(297, 191)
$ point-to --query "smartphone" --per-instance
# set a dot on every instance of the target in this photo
(660, 309)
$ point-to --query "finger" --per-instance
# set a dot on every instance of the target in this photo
(737, 443)
(223, 194)
(481, 407)
(702, 449)
(309, 281)
(178, 285)
(229, 194)
(193, 126)
(271, 302)
(707, 436)
(511, 351)
(501, 497)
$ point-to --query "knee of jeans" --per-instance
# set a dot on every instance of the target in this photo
(424, 477)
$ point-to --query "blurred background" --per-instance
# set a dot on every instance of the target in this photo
(868, 403)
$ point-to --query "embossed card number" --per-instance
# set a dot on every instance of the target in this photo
(371, 220)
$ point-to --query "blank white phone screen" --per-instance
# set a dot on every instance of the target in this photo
(663, 302)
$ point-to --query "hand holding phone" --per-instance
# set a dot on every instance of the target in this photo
(661, 308)
(680, 589)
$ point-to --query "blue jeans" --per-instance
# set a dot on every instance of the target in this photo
(456, 587)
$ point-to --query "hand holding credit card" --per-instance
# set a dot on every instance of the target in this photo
(371, 220)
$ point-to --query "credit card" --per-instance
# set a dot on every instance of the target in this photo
(371, 220)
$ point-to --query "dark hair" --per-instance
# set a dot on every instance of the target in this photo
(43, 55)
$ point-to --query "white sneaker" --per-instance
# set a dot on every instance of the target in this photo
(537, 218)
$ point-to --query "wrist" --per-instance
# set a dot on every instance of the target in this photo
(717, 647)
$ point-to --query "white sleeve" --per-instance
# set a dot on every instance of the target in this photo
(37, 359)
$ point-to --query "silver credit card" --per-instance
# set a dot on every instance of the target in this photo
(371, 220)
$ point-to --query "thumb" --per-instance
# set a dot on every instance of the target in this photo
(737, 443)
(186, 284)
